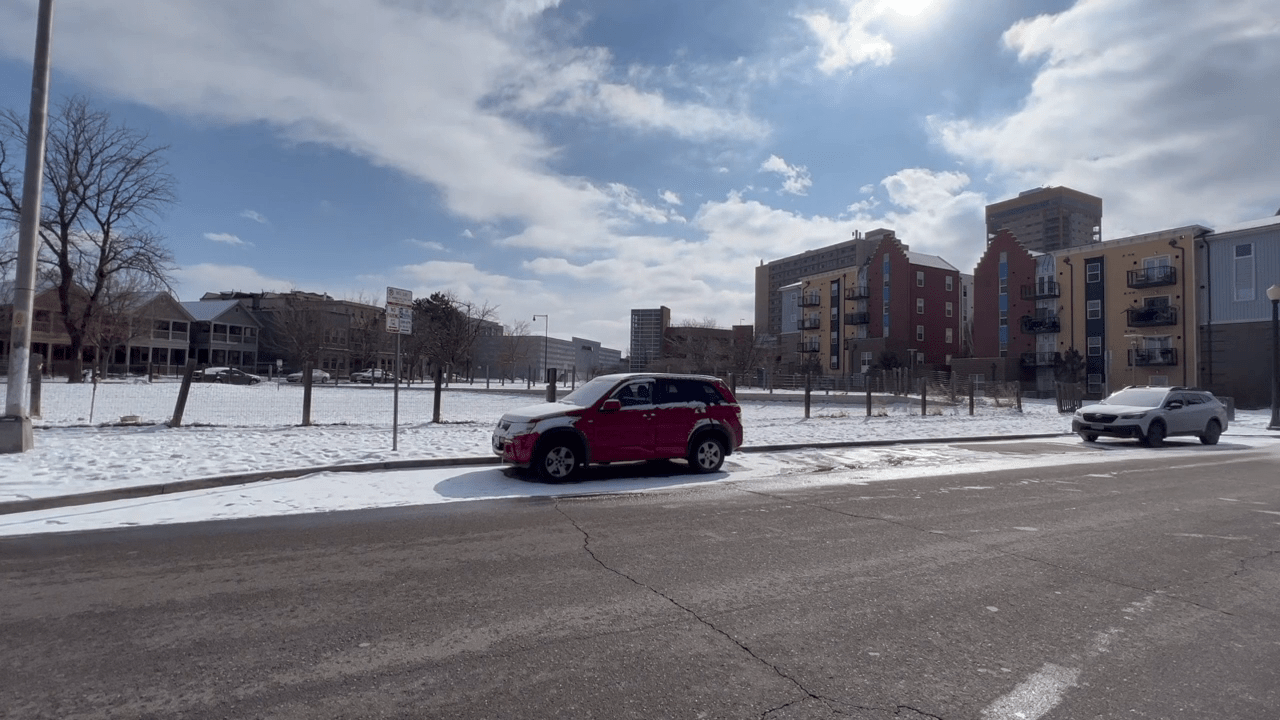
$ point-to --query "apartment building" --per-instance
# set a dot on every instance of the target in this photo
(1130, 309)
(898, 302)
(1236, 265)
(772, 276)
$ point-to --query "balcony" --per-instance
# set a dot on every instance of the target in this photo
(1042, 290)
(1040, 323)
(857, 318)
(1153, 276)
(857, 292)
(811, 323)
(1152, 316)
(811, 300)
(809, 346)
(1039, 359)
(1153, 356)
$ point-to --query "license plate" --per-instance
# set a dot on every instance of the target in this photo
(1097, 427)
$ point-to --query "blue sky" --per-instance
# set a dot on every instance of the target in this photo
(580, 159)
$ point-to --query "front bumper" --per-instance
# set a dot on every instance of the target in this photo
(1119, 430)
(516, 449)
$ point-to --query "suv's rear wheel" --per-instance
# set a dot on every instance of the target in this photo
(1155, 434)
(558, 461)
(1212, 432)
(707, 454)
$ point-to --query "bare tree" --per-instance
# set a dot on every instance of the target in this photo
(105, 186)
(516, 350)
(295, 328)
(445, 331)
(696, 346)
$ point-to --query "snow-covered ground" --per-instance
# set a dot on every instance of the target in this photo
(231, 430)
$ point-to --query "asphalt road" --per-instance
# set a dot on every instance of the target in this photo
(1137, 589)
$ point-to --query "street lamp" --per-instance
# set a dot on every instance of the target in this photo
(1273, 294)
(546, 339)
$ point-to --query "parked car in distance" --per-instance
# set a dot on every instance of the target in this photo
(624, 417)
(317, 376)
(1152, 413)
(376, 375)
(226, 375)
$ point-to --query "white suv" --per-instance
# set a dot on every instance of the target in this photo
(1151, 413)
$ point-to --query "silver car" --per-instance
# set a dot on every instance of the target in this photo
(1152, 413)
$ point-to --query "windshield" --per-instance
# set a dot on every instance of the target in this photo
(1137, 398)
(590, 394)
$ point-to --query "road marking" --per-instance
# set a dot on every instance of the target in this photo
(1215, 537)
(1035, 696)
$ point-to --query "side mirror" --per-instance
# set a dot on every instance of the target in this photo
(1174, 405)
(611, 405)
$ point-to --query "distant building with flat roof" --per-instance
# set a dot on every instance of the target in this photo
(1048, 219)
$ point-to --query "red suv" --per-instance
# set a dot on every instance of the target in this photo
(618, 418)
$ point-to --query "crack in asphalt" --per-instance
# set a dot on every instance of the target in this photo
(831, 704)
(586, 545)
(1006, 553)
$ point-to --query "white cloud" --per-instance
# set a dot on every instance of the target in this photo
(796, 179)
(226, 239)
(670, 197)
(254, 216)
(851, 42)
(427, 245)
(192, 281)
(1163, 118)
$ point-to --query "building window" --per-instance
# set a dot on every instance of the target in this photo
(919, 332)
(949, 338)
(919, 278)
(919, 306)
(1244, 272)
(950, 283)
(1093, 310)
(1093, 272)
(1095, 345)
(1095, 382)
(950, 309)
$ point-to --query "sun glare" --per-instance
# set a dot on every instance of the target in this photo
(910, 8)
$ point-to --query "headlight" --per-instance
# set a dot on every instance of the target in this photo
(1079, 414)
(1134, 416)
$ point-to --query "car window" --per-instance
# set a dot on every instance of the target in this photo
(1193, 399)
(1137, 397)
(635, 394)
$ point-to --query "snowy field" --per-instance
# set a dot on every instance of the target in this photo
(230, 430)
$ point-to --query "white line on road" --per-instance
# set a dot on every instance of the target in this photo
(1035, 696)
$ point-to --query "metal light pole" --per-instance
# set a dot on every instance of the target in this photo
(1273, 294)
(15, 425)
(546, 335)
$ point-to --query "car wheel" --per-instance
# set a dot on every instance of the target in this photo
(1155, 434)
(558, 462)
(706, 455)
(1212, 432)
(1088, 436)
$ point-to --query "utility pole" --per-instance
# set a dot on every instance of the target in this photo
(15, 425)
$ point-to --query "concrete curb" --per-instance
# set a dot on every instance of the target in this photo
(137, 491)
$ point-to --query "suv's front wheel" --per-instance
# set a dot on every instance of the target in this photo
(1155, 434)
(707, 454)
(558, 461)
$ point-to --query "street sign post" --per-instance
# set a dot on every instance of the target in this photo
(399, 322)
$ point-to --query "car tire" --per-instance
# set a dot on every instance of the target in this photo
(1155, 434)
(706, 455)
(559, 461)
(1088, 436)
(1212, 432)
